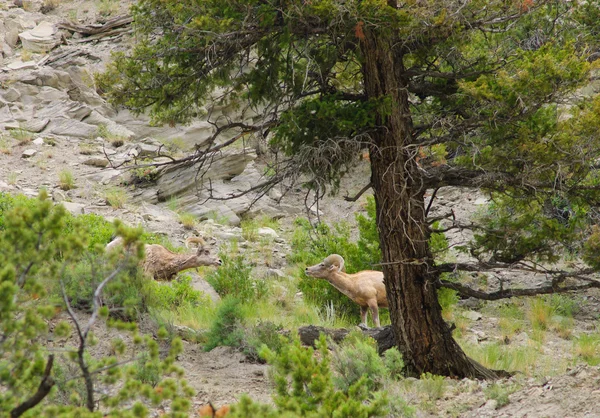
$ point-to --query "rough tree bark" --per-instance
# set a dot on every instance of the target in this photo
(424, 339)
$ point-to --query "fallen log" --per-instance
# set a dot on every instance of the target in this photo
(89, 30)
(384, 336)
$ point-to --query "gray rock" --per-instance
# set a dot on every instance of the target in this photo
(13, 27)
(267, 232)
(70, 127)
(11, 94)
(96, 162)
(20, 65)
(105, 176)
(66, 109)
(38, 141)
(198, 283)
(472, 315)
(28, 153)
(49, 77)
(42, 38)
(74, 208)
(95, 118)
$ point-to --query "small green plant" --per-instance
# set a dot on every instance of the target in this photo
(49, 5)
(108, 7)
(304, 387)
(173, 203)
(144, 173)
(234, 278)
(394, 362)
(499, 393)
(115, 140)
(148, 369)
(357, 358)
(115, 197)
(227, 328)
(65, 179)
(188, 220)
(586, 346)
(175, 294)
(12, 178)
(249, 229)
(5, 145)
(540, 313)
(22, 135)
(87, 149)
(433, 386)
(264, 333)
(448, 299)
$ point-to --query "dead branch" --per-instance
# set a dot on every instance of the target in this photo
(384, 336)
(97, 29)
(358, 195)
(83, 334)
(43, 390)
(553, 287)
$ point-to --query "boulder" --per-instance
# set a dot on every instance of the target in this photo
(28, 153)
(21, 65)
(70, 127)
(13, 27)
(95, 118)
(74, 208)
(96, 162)
(65, 109)
(42, 38)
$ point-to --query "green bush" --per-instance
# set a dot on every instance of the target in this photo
(394, 362)
(39, 248)
(227, 328)
(174, 294)
(357, 358)
(126, 296)
(304, 388)
(234, 277)
(265, 333)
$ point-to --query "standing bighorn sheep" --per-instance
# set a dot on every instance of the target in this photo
(365, 287)
(163, 264)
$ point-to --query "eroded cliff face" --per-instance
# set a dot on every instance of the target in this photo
(52, 118)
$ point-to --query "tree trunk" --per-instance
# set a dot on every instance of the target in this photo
(424, 339)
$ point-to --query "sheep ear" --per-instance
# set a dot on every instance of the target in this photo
(333, 267)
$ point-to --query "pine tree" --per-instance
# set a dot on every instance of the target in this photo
(440, 92)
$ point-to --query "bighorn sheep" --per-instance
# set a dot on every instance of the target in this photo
(365, 287)
(163, 264)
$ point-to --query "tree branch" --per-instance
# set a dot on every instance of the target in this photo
(358, 195)
(510, 293)
(43, 390)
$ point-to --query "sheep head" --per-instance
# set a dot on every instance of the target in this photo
(333, 263)
(204, 257)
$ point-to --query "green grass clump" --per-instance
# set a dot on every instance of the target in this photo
(65, 180)
(227, 328)
(234, 277)
(357, 358)
(115, 197)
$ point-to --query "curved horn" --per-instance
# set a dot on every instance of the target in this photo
(336, 259)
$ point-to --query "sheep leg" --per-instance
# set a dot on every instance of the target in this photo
(375, 312)
(363, 315)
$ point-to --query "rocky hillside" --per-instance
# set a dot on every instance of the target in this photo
(58, 133)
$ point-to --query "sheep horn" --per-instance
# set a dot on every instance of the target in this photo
(337, 260)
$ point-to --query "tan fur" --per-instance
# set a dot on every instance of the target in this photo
(366, 288)
(163, 264)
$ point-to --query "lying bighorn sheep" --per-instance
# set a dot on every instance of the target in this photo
(164, 264)
(365, 287)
